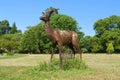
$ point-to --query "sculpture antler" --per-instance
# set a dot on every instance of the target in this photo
(52, 10)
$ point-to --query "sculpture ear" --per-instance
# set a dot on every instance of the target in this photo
(43, 13)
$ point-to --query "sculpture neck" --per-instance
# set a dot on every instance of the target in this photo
(47, 24)
(49, 30)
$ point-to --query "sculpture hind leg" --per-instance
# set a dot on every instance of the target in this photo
(60, 55)
(78, 49)
(72, 48)
(53, 51)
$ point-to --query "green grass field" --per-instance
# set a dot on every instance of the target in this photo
(101, 67)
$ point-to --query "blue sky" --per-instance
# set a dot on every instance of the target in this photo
(85, 12)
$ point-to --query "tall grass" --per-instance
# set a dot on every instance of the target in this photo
(54, 66)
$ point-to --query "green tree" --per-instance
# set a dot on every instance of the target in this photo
(108, 29)
(107, 24)
(10, 42)
(110, 48)
(34, 40)
(13, 29)
(28, 41)
(64, 22)
(85, 43)
(43, 43)
(4, 27)
(96, 45)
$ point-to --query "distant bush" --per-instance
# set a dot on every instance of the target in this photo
(7, 54)
(84, 50)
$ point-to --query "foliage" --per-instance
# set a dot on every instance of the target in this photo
(34, 40)
(107, 24)
(85, 43)
(84, 50)
(108, 29)
(96, 46)
(14, 29)
(10, 42)
(64, 22)
(27, 41)
(4, 27)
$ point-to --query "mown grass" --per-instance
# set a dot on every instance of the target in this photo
(101, 67)
(11, 72)
(25, 73)
(11, 56)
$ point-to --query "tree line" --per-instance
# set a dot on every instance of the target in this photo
(107, 36)
(34, 39)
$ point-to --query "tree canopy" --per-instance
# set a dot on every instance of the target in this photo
(34, 39)
(4, 27)
(108, 29)
(64, 22)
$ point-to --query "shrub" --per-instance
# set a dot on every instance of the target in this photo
(7, 54)
(110, 48)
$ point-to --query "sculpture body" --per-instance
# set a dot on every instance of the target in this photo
(60, 37)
